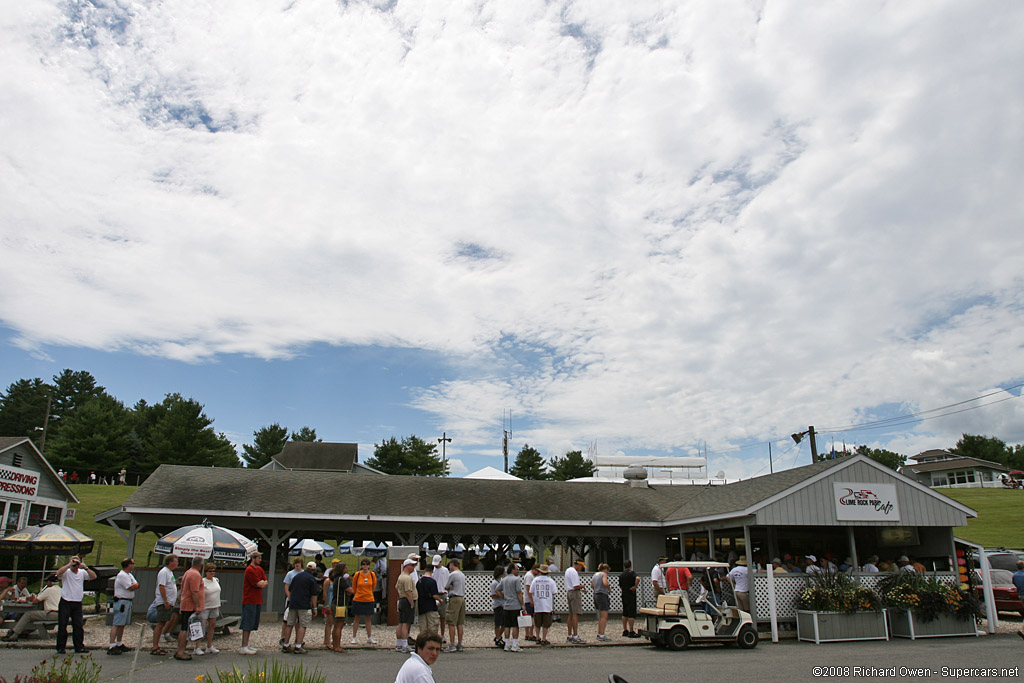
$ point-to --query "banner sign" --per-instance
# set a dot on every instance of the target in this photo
(18, 483)
(859, 502)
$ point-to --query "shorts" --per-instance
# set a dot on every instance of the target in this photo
(575, 599)
(184, 620)
(251, 617)
(430, 621)
(122, 610)
(510, 618)
(629, 607)
(499, 616)
(302, 617)
(602, 602)
(529, 608)
(159, 614)
(405, 611)
(212, 613)
(456, 610)
(542, 619)
(362, 609)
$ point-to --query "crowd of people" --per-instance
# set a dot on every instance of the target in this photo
(103, 479)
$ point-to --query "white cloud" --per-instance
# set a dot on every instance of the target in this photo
(646, 224)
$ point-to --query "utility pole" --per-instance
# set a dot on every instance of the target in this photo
(504, 448)
(444, 440)
(814, 445)
(771, 468)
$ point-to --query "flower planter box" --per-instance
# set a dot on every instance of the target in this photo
(908, 625)
(829, 627)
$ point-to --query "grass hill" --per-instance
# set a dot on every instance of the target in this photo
(1000, 521)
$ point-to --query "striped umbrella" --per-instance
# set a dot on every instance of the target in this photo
(48, 539)
(307, 546)
(206, 540)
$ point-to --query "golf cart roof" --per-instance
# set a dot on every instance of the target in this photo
(695, 565)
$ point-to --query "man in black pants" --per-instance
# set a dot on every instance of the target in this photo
(72, 576)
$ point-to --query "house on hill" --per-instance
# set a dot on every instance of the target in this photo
(319, 456)
(938, 468)
(30, 490)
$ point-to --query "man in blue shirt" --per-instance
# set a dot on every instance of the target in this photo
(300, 602)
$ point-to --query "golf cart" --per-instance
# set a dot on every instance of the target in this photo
(676, 622)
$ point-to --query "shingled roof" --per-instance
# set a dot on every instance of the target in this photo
(316, 455)
(954, 464)
(339, 495)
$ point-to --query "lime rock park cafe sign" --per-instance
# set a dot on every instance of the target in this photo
(863, 502)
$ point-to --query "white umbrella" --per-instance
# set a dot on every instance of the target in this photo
(307, 546)
(206, 540)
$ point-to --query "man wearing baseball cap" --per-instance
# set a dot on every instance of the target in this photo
(300, 604)
(574, 595)
(253, 582)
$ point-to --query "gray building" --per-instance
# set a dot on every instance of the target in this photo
(30, 490)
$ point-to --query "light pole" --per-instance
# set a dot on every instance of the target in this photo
(444, 440)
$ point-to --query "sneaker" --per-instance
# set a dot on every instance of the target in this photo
(451, 648)
(198, 652)
(287, 649)
(508, 646)
(570, 639)
(246, 650)
(603, 638)
(299, 650)
(458, 648)
(516, 649)
(354, 641)
(114, 650)
(212, 651)
(371, 641)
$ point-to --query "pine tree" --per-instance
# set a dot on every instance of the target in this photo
(529, 464)
(572, 466)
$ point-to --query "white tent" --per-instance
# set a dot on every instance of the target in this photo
(490, 473)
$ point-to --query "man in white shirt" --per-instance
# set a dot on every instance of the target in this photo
(163, 603)
(739, 577)
(658, 577)
(417, 668)
(441, 574)
(72, 576)
(574, 595)
(543, 589)
(125, 586)
(872, 565)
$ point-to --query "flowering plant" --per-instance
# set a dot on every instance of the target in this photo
(277, 673)
(836, 592)
(927, 596)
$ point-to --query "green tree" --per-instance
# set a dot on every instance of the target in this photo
(890, 459)
(98, 436)
(266, 443)
(572, 466)
(529, 464)
(71, 390)
(983, 447)
(23, 408)
(306, 434)
(412, 456)
(180, 433)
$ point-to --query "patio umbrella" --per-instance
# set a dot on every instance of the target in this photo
(206, 540)
(48, 539)
(307, 546)
(372, 549)
(1016, 472)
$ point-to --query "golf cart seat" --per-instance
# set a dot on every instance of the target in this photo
(668, 606)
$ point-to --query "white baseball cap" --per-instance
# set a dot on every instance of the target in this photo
(437, 560)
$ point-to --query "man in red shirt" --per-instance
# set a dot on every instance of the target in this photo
(677, 579)
(253, 582)
(193, 599)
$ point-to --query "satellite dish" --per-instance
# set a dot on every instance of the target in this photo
(720, 475)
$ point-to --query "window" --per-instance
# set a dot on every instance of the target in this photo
(939, 480)
(53, 515)
(36, 514)
(13, 516)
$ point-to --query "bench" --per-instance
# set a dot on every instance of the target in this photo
(223, 627)
(668, 606)
(41, 627)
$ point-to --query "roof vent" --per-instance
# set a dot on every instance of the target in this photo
(636, 476)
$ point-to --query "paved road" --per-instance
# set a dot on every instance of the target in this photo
(787, 661)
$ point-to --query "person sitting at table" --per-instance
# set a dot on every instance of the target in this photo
(17, 592)
(48, 599)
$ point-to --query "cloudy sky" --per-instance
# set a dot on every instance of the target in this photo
(647, 226)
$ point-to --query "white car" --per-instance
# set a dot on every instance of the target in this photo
(675, 623)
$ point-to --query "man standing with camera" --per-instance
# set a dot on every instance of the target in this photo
(125, 586)
(72, 576)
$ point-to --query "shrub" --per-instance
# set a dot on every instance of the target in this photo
(259, 674)
(62, 670)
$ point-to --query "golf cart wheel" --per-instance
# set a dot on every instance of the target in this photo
(747, 637)
(678, 638)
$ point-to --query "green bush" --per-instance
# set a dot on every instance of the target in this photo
(62, 670)
(260, 674)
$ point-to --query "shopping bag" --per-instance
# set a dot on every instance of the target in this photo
(525, 620)
(339, 612)
(195, 628)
